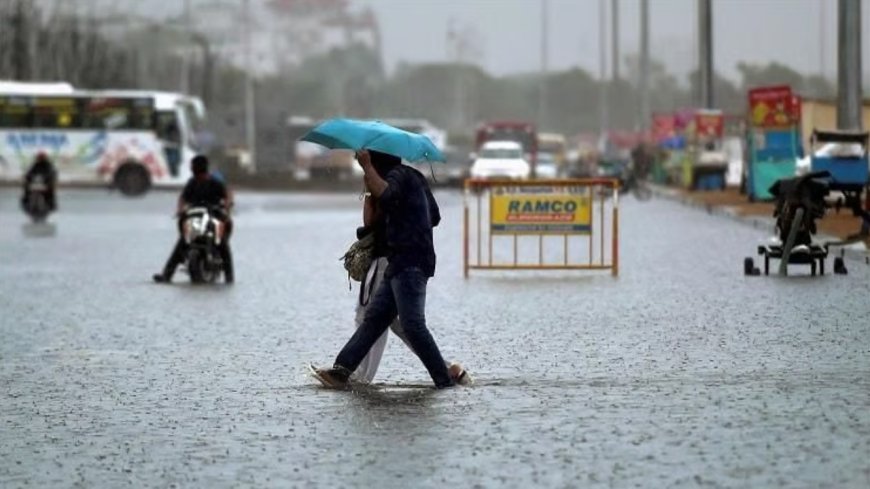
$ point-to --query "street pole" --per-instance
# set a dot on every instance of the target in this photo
(823, 38)
(644, 65)
(705, 54)
(250, 126)
(185, 54)
(453, 55)
(207, 69)
(21, 46)
(542, 84)
(849, 65)
(602, 67)
(614, 38)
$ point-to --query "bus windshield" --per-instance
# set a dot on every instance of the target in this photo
(520, 132)
(525, 138)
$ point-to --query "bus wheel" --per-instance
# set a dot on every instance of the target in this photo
(132, 179)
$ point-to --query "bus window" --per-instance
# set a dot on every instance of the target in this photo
(142, 116)
(105, 113)
(14, 112)
(117, 113)
(55, 112)
(192, 116)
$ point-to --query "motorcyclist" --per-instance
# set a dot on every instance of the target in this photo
(642, 160)
(41, 167)
(202, 190)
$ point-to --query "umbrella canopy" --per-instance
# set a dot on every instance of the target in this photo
(375, 135)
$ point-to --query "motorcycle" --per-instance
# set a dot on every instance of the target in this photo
(203, 233)
(36, 203)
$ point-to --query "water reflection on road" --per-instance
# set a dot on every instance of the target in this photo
(679, 372)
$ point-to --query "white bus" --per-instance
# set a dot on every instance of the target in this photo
(130, 139)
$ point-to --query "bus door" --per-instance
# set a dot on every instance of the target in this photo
(169, 133)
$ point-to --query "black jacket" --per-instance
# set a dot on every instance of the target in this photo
(411, 212)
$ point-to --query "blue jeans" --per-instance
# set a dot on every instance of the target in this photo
(404, 295)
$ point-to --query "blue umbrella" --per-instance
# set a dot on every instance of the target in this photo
(358, 135)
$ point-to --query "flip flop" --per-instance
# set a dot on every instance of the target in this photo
(327, 382)
(459, 374)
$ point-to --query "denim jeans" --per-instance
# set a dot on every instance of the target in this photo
(404, 295)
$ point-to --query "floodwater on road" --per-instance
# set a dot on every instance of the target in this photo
(681, 372)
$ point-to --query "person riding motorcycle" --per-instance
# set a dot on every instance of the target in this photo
(202, 190)
(642, 160)
(41, 167)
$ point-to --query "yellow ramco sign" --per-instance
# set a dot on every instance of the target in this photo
(540, 210)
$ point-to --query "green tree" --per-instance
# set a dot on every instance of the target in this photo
(341, 81)
(727, 96)
(817, 86)
(572, 101)
(774, 73)
(666, 91)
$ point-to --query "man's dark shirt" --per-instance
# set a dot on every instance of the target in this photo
(43, 168)
(206, 191)
(411, 212)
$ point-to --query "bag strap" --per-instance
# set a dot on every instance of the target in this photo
(364, 298)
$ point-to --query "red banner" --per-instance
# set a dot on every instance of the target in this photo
(709, 124)
(796, 108)
(683, 119)
(663, 127)
(773, 106)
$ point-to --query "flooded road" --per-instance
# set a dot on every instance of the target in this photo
(681, 372)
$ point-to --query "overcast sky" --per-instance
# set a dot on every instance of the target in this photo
(799, 33)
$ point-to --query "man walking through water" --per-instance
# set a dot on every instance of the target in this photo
(411, 212)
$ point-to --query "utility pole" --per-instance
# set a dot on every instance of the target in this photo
(21, 58)
(614, 38)
(542, 84)
(644, 65)
(823, 38)
(185, 55)
(849, 65)
(207, 68)
(602, 67)
(456, 53)
(705, 54)
(250, 126)
(462, 46)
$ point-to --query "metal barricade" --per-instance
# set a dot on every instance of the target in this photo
(574, 211)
